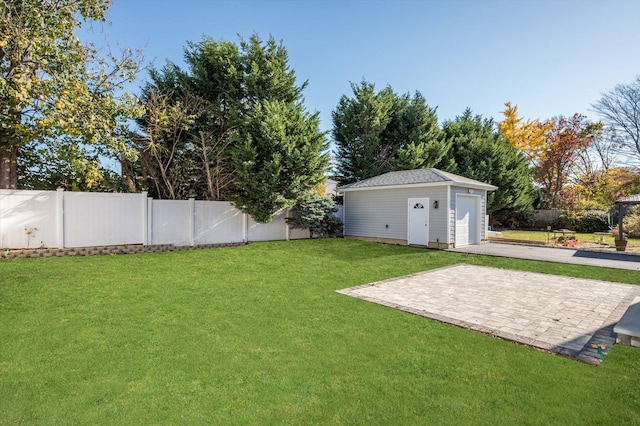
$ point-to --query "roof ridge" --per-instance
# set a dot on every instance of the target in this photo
(440, 173)
(414, 177)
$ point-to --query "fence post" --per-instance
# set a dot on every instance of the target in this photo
(145, 218)
(245, 227)
(192, 221)
(150, 221)
(287, 231)
(60, 217)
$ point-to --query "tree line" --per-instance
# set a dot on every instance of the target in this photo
(232, 125)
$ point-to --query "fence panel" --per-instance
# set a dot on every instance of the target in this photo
(98, 219)
(171, 222)
(28, 219)
(299, 234)
(218, 222)
(57, 219)
(272, 231)
(546, 217)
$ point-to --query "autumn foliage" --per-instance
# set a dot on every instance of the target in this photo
(564, 143)
(528, 136)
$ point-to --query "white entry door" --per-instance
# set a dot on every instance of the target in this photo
(418, 228)
(466, 220)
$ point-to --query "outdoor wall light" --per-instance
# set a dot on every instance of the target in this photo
(435, 204)
(470, 191)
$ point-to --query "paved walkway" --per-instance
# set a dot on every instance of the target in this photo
(564, 315)
(555, 254)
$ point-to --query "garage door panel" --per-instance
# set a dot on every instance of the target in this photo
(466, 220)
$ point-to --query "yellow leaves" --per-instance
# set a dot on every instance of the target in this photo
(58, 104)
(320, 189)
(3, 43)
(529, 136)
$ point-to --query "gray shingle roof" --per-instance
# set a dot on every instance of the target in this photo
(418, 177)
(634, 199)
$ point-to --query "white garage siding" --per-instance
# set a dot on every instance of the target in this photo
(452, 211)
(382, 213)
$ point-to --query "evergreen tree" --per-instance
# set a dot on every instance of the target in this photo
(247, 137)
(478, 151)
(316, 213)
(377, 132)
(277, 154)
(415, 126)
(358, 125)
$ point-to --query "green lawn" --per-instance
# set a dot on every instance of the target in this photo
(547, 236)
(257, 335)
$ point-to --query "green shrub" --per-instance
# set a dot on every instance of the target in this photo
(584, 220)
(315, 213)
(631, 223)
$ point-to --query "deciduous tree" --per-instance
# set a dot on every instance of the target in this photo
(620, 109)
(166, 122)
(601, 188)
(528, 136)
(53, 86)
(565, 143)
(64, 164)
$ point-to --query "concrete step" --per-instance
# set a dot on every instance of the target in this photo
(628, 328)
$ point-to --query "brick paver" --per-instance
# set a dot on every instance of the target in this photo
(563, 315)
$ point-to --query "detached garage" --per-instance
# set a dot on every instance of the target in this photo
(426, 207)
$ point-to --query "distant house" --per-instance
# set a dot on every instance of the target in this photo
(330, 187)
(426, 207)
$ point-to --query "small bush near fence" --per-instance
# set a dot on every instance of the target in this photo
(584, 221)
(316, 213)
(632, 223)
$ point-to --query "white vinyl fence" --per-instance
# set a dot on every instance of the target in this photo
(60, 219)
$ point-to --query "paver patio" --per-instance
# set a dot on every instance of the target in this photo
(564, 315)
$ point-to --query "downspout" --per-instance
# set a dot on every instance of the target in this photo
(344, 213)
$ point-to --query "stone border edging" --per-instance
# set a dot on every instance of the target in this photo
(105, 250)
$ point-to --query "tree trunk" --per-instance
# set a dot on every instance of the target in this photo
(9, 168)
(207, 167)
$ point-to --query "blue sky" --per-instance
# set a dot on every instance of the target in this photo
(549, 57)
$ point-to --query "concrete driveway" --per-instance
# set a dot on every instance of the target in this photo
(556, 254)
(573, 317)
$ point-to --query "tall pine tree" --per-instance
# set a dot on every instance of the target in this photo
(479, 151)
(377, 132)
(277, 158)
(278, 151)
(251, 141)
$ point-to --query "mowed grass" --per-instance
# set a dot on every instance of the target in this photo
(547, 237)
(257, 335)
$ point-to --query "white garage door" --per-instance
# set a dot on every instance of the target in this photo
(466, 220)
